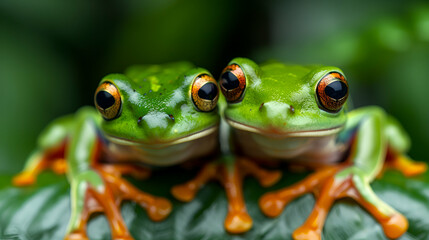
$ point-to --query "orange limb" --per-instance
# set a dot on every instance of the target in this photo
(313, 226)
(187, 191)
(157, 208)
(272, 204)
(40, 161)
(265, 178)
(91, 206)
(101, 202)
(328, 189)
(109, 200)
(118, 227)
(29, 175)
(405, 165)
(237, 219)
(393, 226)
(59, 166)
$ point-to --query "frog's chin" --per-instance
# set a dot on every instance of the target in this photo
(162, 144)
(279, 133)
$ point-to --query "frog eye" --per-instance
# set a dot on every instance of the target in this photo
(332, 92)
(205, 92)
(108, 100)
(232, 83)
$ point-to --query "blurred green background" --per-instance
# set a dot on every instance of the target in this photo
(53, 53)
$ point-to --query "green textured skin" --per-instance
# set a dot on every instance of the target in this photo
(157, 92)
(279, 86)
(140, 97)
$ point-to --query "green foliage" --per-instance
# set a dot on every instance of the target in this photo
(42, 212)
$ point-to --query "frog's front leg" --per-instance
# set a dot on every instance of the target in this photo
(99, 191)
(49, 153)
(404, 164)
(97, 187)
(353, 183)
(230, 172)
(39, 161)
(89, 194)
(330, 184)
(231, 177)
(350, 179)
(398, 144)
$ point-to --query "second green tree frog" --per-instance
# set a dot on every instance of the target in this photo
(297, 114)
(154, 115)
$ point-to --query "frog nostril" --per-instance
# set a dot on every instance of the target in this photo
(139, 120)
(171, 117)
(291, 109)
(261, 106)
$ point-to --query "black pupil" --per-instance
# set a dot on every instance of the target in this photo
(208, 91)
(104, 99)
(229, 81)
(336, 90)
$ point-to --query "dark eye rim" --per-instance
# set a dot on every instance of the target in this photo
(338, 104)
(203, 105)
(235, 95)
(113, 111)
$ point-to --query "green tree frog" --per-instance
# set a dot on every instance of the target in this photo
(154, 115)
(297, 114)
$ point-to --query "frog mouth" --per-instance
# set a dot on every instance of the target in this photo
(277, 133)
(162, 144)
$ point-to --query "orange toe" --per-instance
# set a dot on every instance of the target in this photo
(160, 209)
(304, 233)
(416, 168)
(183, 193)
(271, 178)
(123, 238)
(76, 236)
(59, 166)
(23, 179)
(395, 226)
(271, 205)
(238, 222)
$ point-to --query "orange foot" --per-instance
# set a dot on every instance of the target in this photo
(39, 161)
(108, 199)
(327, 188)
(231, 177)
(29, 175)
(404, 164)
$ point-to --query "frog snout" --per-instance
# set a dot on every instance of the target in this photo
(276, 111)
(155, 122)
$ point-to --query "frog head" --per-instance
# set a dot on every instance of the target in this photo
(276, 98)
(158, 103)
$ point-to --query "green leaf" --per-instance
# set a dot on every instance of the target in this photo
(42, 211)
